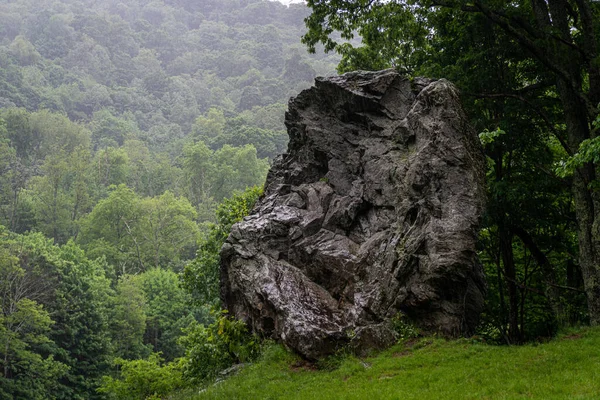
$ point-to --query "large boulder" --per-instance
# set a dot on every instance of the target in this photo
(372, 214)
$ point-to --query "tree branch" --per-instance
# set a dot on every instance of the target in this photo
(565, 287)
(507, 23)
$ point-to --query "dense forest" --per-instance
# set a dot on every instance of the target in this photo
(133, 134)
(123, 126)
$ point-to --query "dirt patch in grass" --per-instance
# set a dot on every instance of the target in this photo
(403, 353)
(303, 365)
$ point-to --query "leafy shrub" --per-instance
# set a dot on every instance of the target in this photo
(213, 348)
(403, 328)
(142, 379)
(201, 276)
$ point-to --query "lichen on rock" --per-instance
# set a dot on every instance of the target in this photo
(373, 211)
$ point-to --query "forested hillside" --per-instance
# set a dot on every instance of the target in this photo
(141, 93)
(123, 125)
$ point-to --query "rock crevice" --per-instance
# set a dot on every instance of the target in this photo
(373, 211)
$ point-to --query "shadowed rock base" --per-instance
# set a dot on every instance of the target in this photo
(372, 212)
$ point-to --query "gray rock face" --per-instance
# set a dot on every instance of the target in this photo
(372, 212)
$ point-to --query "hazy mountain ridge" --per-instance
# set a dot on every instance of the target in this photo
(165, 62)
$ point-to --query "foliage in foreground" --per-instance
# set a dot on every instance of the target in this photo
(209, 350)
(142, 379)
(213, 348)
(428, 368)
(63, 322)
(201, 276)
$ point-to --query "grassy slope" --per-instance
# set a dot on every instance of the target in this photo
(565, 368)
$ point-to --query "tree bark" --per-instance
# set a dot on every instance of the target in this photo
(577, 120)
(589, 248)
(510, 272)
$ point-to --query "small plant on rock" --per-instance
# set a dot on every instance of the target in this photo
(403, 328)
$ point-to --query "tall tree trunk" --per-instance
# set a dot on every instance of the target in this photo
(503, 320)
(510, 273)
(587, 205)
(569, 86)
(588, 222)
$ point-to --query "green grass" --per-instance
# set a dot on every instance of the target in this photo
(565, 368)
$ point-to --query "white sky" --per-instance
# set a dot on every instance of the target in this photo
(286, 2)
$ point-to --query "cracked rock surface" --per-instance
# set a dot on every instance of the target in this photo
(373, 212)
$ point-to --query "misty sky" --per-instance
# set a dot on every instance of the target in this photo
(289, 1)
